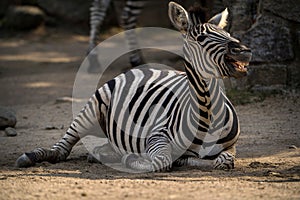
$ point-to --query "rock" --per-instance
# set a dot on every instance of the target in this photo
(287, 9)
(68, 10)
(261, 165)
(50, 127)
(298, 36)
(292, 147)
(268, 74)
(242, 13)
(64, 99)
(69, 100)
(271, 173)
(11, 132)
(23, 17)
(4, 4)
(7, 118)
(270, 40)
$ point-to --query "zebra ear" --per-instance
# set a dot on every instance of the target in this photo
(220, 19)
(178, 16)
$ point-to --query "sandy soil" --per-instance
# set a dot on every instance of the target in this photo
(36, 69)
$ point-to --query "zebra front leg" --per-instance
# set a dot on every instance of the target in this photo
(194, 162)
(225, 160)
(158, 153)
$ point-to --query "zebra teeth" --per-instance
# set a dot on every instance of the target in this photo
(241, 66)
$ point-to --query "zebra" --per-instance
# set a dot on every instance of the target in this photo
(156, 119)
(130, 13)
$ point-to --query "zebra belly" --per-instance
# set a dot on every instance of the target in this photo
(141, 104)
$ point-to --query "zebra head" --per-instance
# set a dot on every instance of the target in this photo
(208, 48)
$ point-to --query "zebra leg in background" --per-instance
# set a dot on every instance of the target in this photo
(104, 154)
(158, 152)
(129, 17)
(89, 121)
(97, 14)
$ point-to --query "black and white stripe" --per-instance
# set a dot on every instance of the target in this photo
(153, 118)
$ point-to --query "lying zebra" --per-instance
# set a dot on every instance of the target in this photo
(155, 118)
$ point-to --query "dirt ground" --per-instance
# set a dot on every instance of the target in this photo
(38, 68)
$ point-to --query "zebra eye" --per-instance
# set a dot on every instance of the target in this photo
(201, 38)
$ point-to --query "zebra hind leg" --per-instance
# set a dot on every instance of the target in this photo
(58, 152)
(104, 154)
(39, 155)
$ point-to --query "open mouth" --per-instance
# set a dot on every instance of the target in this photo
(240, 66)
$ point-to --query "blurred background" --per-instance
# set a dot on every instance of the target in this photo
(42, 46)
(51, 36)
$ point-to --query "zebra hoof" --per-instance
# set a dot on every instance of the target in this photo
(24, 161)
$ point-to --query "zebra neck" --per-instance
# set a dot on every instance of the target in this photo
(207, 103)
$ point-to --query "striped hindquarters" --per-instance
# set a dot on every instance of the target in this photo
(142, 102)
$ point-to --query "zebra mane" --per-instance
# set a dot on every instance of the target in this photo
(197, 14)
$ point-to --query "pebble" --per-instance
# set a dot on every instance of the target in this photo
(69, 100)
(292, 147)
(11, 132)
(49, 127)
(7, 118)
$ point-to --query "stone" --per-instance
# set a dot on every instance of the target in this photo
(294, 74)
(7, 118)
(4, 4)
(267, 75)
(50, 127)
(10, 132)
(292, 147)
(23, 17)
(68, 100)
(75, 11)
(270, 40)
(287, 9)
(298, 36)
(242, 14)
